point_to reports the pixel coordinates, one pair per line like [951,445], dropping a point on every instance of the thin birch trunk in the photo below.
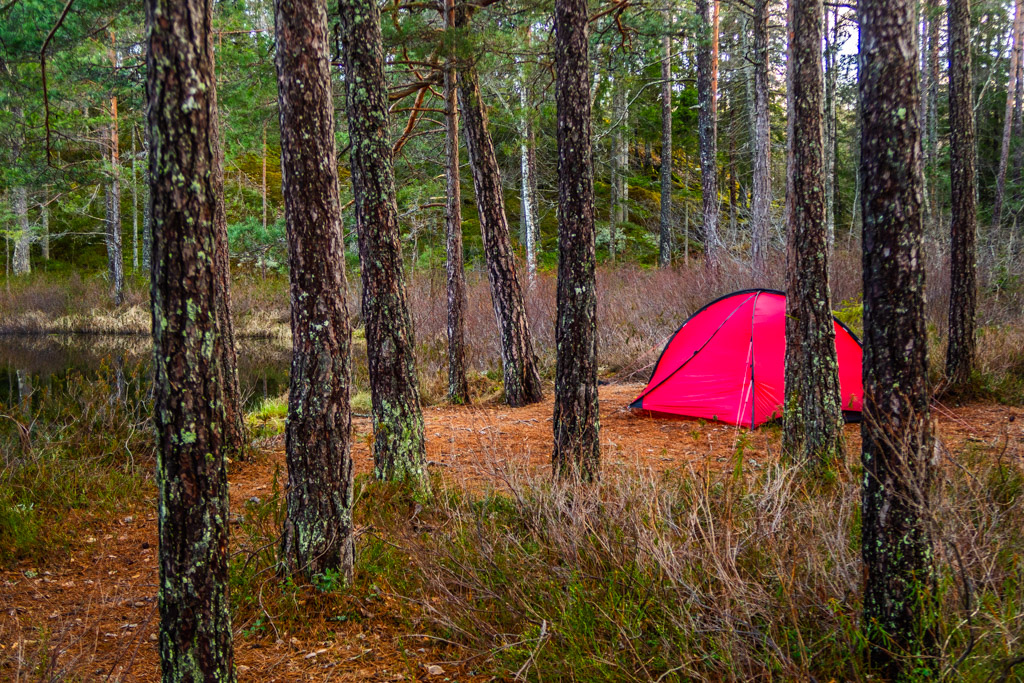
[1011,98]
[665,240]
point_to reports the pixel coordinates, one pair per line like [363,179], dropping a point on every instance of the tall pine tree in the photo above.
[813,415]
[318,527]
[899,575]
[189,399]
[576,422]
[399,451]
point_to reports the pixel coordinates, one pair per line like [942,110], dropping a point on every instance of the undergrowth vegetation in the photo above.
[71,453]
[746,574]
[737,575]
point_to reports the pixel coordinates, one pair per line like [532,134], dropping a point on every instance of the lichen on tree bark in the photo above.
[187,296]
[963,287]
[812,421]
[576,422]
[898,448]
[398,440]
[519,364]
[317,533]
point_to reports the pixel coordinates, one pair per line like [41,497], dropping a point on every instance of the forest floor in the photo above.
[91,614]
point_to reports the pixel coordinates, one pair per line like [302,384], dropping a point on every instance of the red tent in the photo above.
[727,363]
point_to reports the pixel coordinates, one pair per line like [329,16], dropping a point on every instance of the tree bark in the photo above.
[963,294]
[619,162]
[147,222]
[317,534]
[813,418]
[707,128]
[899,581]
[1011,97]
[519,364]
[229,361]
[115,259]
[458,386]
[665,240]
[263,187]
[44,220]
[732,184]
[622,163]
[576,423]
[1018,116]
[926,49]
[190,417]
[21,265]
[135,204]
[527,212]
[761,191]
[831,83]
[933,217]
[613,166]
[398,445]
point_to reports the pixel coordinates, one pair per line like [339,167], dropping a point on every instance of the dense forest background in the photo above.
[74,150]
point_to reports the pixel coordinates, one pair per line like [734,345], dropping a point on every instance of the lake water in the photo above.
[32,367]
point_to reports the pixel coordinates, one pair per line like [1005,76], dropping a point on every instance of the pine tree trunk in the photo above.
[934,217]
[761,191]
[1018,117]
[813,418]
[665,240]
[135,204]
[961,351]
[458,386]
[707,129]
[831,82]
[317,534]
[398,444]
[619,157]
[577,446]
[1011,97]
[613,166]
[229,361]
[147,222]
[732,185]
[191,422]
[115,260]
[926,161]
[622,164]
[522,380]
[263,187]
[896,433]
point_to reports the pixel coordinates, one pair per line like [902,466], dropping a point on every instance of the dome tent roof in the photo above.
[727,363]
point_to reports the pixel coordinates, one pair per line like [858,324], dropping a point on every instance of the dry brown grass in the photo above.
[694,575]
[638,309]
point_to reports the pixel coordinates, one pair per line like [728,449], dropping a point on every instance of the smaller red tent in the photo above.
[727,363]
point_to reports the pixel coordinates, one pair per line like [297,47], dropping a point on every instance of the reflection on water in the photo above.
[31,365]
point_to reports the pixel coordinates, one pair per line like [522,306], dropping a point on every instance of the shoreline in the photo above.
[105,332]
